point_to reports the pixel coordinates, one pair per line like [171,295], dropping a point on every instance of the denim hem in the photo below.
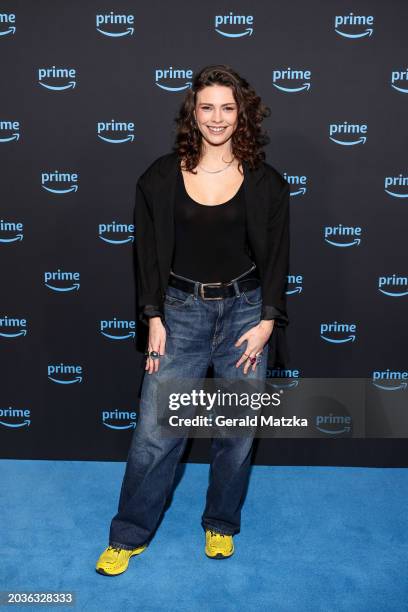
[124,546]
[216,530]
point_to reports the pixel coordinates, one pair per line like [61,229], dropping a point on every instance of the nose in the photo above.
[217,115]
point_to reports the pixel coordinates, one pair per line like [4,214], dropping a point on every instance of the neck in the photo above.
[215,157]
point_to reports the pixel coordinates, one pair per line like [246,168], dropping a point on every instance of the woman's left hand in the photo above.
[256,337]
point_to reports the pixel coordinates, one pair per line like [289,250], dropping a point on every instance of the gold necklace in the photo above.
[217,171]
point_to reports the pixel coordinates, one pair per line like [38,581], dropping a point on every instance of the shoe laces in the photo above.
[117,548]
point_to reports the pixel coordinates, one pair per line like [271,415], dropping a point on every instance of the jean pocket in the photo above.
[253,297]
[175,298]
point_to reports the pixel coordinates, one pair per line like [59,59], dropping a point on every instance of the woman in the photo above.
[212,241]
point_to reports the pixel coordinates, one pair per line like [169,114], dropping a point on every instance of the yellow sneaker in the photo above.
[218,545]
[114,560]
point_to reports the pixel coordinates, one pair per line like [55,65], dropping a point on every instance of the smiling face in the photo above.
[216,113]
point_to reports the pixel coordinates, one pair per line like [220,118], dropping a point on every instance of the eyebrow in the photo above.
[225,104]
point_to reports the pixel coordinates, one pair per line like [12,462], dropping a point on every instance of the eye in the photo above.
[227,108]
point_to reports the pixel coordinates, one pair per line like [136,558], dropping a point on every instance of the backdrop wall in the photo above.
[89,95]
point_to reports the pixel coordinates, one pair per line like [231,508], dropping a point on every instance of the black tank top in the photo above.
[210,241]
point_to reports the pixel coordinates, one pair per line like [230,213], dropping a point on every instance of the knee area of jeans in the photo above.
[144,455]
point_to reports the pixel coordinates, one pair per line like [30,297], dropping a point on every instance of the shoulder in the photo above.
[275,177]
[157,167]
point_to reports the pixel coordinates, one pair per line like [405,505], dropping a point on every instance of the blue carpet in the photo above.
[312,538]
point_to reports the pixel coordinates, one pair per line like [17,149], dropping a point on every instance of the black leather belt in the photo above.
[215,291]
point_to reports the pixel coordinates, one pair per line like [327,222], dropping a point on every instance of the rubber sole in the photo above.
[220,555]
[101,571]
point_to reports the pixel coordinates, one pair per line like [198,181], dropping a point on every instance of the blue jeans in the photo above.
[199,333]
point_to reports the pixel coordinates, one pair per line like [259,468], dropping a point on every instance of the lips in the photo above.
[216,130]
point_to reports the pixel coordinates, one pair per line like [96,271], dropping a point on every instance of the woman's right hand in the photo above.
[156,342]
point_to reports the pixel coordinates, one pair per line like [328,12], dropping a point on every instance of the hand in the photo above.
[156,342]
[256,338]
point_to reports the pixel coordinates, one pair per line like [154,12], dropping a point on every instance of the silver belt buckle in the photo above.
[209,285]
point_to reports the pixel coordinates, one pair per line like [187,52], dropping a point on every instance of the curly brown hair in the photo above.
[248,138]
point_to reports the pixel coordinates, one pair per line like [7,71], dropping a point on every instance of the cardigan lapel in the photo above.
[164,205]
